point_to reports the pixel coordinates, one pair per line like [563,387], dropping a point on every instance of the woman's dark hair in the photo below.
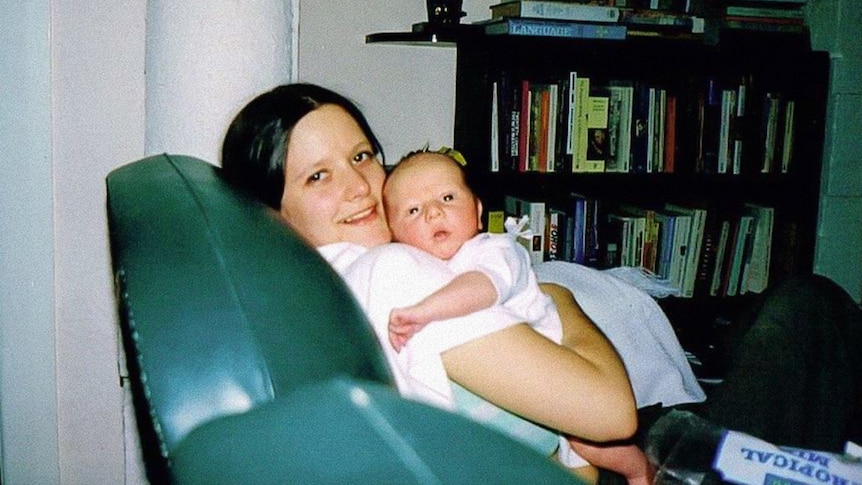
[255,146]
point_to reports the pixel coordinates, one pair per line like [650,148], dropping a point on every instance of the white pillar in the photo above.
[204,61]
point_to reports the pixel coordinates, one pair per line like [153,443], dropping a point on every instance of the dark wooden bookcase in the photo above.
[770,63]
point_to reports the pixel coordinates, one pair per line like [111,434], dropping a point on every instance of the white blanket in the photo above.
[636,326]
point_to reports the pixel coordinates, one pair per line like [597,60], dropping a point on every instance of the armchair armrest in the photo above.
[348,431]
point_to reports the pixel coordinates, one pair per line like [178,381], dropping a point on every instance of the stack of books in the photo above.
[785,16]
[557,18]
[611,19]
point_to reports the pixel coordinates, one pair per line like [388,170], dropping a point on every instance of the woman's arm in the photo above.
[580,388]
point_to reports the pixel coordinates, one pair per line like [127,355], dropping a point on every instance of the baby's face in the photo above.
[429,205]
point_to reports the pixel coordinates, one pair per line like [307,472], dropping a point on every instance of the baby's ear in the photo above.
[479,212]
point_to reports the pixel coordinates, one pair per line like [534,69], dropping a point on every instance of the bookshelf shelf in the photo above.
[424,35]
[426,39]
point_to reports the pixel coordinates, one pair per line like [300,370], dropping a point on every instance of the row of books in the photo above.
[581,125]
[698,251]
[726,127]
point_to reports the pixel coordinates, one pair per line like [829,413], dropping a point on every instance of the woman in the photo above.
[310,154]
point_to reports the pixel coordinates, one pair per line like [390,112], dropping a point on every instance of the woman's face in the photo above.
[333,182]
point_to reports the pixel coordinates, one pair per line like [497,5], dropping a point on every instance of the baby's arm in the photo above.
[469,292]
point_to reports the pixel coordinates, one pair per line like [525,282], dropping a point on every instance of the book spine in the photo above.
[556,230]
[580,231]
[694,250]
[742,236]
[647,18]
[569,11]
[508,99]
[536,212]
[524,127]
[720,251]
[670,135]
[545,127]
[496,222]
[772,105]
[710,125]
[706,261]
[665,245]
[756,274]
[582,95]
[597,130]
[495,127]
[650,130]
[536,127]
[571,120]
[682,230]
[639,133]
[765,25]
[551,28]
[787,142]
[561,108]
[725,142]
[592,243]
[785,13]
[658,135]
[614,121]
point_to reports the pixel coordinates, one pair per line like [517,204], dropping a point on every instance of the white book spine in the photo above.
[495,129]
[569,11]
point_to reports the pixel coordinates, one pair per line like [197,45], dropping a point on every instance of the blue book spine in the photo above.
[580,231]
[552,28]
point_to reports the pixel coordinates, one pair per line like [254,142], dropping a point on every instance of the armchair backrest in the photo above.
[222,306]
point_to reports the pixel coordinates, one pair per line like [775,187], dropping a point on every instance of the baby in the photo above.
[430,206]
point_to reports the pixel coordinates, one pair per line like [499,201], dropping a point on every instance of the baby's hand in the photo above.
[403,324]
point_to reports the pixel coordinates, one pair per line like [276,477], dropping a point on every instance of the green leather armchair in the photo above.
[251,363]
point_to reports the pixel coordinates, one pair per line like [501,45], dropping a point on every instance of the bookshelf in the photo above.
[766,63]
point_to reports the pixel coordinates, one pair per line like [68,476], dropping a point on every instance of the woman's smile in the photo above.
[360,217]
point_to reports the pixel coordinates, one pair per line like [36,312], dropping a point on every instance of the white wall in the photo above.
[98,124]
[72,91]
[205,60]
[28,398]
[406,92]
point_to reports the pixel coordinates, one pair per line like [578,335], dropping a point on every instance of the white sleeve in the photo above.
[638,329]
[396,275]
[505,262]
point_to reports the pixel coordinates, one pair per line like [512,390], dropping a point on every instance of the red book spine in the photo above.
[670,135]
[524,134]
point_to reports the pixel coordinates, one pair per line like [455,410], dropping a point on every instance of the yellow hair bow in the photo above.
[454,155]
